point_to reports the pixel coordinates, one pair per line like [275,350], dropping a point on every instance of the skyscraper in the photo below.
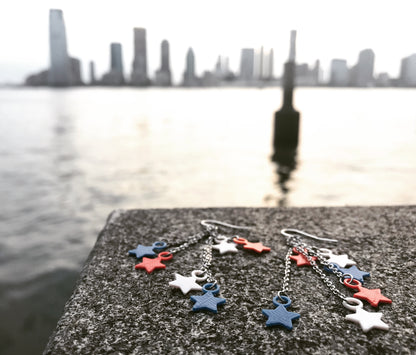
[364,75]
[116,58]
[116,75]
[75,71]
[93,80]
[189,77]
[247,64]
[139,73]
[408,71]
[339,73]
[60,66]
[163,75]
[271,65]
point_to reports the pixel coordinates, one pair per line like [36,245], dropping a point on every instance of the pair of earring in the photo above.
[323,259]
[208,301]
[320,259]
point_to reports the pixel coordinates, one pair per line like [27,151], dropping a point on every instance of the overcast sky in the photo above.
[326,29]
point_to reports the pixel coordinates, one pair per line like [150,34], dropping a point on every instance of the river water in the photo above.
[71,156]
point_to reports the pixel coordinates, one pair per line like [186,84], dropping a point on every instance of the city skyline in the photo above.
[324,33]
[256,67]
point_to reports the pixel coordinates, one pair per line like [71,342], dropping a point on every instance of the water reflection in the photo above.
[285,159]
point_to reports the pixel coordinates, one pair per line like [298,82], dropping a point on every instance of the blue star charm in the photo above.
[356,273]
[208,302]
[279,315]
[143,250]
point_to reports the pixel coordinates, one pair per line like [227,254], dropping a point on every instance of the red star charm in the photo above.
[152,264]
[301,259]
[372,296]
[257,247]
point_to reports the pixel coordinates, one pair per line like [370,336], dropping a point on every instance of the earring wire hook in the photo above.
[288,232]
[210,222]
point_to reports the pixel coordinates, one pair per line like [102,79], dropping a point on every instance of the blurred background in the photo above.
[167,104]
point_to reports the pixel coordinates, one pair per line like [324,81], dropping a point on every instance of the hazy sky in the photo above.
[326,29]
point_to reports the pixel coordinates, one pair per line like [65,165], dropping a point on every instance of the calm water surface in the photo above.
[69,157]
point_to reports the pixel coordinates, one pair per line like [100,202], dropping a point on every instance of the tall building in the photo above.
[75,73]
[60,65]
[139,74]
[163,75]
[408,71]
[260,64]
[339,75]
[364,71]
[292,50]
[189,76]
[93,80]
[270,73]
[247,64]
[316,73]
[116,57]
[115,76]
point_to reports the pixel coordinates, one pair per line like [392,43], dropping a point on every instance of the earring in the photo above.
[351,277]
[208,301]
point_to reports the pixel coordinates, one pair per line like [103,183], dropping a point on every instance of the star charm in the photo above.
[280,316]
[224,247]
[301,259]
[356,273]
[257,247]
[142,251]
[373,296]
[186,284]
[367,320]
[150,264]
[207,302]
[341,260]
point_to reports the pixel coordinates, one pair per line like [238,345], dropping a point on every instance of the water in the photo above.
[70,157]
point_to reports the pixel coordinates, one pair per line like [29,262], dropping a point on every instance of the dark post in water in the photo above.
[286,120]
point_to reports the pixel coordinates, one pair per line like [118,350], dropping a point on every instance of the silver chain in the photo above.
[192,240]
[286,278]
[207,260]
[309,252]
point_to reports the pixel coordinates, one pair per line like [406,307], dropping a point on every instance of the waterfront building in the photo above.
[38,79]
[139,73]
[363,73]
[93,80]
[316,73]
[189,76]
[339,75]
[270,73]
[408,71]
[383,80]
[75,71]
[60,65]
[260,62]
[267,65]
[115,76]
[163,76]
[247,64]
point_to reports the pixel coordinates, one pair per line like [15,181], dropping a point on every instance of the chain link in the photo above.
[303,249]
[190,241]
[286,278]
[207,260]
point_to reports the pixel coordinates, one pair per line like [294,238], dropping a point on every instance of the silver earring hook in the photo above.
[288,232]
[210,222]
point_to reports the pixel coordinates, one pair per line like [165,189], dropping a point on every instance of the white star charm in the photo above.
[341,260]
[225,247]
[187,284]
[366,320]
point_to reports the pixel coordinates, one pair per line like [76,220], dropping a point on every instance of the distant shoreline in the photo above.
[173,87]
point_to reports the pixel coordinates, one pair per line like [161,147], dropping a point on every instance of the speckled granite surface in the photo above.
[116,309]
